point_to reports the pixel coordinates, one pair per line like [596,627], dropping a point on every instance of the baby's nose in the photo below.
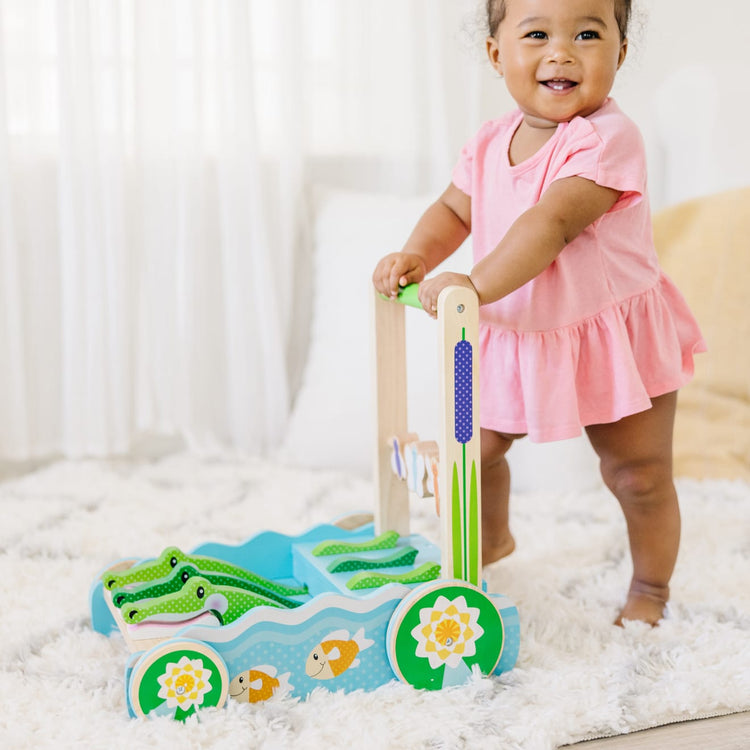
[560,53]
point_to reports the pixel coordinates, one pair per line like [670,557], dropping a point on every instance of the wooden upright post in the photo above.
[389,397]
[460,455]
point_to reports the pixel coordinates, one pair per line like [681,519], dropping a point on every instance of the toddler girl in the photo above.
[579,327]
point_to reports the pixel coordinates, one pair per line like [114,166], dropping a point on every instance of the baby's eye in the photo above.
[586,35]
[536,35]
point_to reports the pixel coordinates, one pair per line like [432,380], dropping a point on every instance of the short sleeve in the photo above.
[609,151]
[463,172]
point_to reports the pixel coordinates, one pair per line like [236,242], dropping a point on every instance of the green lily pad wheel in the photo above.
[440,631]
[177,678]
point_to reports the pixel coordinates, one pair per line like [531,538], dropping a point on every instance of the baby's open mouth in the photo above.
[559,84]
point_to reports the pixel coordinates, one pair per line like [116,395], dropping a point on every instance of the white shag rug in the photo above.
[577,677]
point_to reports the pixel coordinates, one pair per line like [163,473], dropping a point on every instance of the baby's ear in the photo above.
[493,52]
[623,52]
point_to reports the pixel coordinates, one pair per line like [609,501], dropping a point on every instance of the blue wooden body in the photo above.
[284,639]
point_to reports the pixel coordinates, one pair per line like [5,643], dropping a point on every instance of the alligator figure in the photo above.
[171,557]
[198,595]
[121,597]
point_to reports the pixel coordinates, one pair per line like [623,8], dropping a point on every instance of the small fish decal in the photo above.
[258,684]
[336,653]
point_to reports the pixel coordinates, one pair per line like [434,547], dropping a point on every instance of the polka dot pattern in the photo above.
[462,369]
[428,571]
[402,558]
[182,574]
[387,540]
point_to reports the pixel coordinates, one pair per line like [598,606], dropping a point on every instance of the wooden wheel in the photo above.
[440,631]
[176,678]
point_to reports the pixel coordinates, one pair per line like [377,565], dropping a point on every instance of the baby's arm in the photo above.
[538,236]
[534,240]
[439,232]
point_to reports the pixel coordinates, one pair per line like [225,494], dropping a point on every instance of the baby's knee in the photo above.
[638,482]
[494,446]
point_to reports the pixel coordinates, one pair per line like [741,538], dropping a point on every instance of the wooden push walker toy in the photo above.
[346,608]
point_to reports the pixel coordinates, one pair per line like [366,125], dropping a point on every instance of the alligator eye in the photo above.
[110,583]
[185,575]
[119,599]
[173,561]
[200,592]
[132,613]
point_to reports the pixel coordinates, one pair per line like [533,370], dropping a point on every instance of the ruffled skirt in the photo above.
[550,384]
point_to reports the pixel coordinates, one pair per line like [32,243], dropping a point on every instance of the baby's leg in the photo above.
[497,540]
[636,464]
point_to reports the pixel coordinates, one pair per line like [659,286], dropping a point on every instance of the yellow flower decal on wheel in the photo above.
[447,632]
[184,684]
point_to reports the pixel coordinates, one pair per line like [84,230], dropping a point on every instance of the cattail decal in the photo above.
[464,485]
[462,363]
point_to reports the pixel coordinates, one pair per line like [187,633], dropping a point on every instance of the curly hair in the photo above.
[496,14]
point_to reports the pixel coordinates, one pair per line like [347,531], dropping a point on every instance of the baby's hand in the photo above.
[429,290]
[398,270]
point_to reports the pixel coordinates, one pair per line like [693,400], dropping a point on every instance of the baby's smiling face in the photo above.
[559,60]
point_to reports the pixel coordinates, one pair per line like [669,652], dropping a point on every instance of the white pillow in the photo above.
[332,424]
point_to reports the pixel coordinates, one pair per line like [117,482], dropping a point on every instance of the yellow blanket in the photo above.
[704,245]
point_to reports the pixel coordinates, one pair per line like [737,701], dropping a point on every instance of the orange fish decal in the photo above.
[336,653]
[258,684]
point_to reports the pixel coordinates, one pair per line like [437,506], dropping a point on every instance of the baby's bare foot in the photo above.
[645,603]
[500,547]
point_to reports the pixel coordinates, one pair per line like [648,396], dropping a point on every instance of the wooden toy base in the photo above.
[339,638]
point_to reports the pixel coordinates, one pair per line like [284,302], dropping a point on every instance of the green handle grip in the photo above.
[407,295]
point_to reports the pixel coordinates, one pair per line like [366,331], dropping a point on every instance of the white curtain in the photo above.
[154,161]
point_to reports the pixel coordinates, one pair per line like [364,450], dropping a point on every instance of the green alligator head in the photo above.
[149,570]
[197,596]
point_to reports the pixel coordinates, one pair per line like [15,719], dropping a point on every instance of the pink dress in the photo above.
[602,330]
